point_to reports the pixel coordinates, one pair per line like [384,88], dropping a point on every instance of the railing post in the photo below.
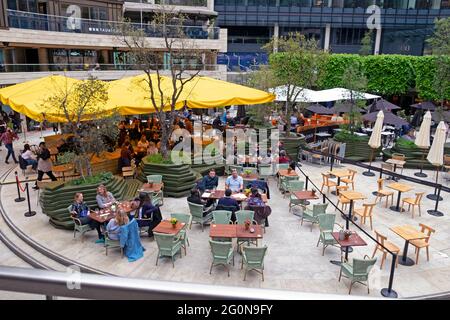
[388,292]
[307,180]
[29,213]
[436,212]
[19,197]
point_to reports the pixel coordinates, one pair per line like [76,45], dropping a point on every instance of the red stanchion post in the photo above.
[19,198]
[29,213]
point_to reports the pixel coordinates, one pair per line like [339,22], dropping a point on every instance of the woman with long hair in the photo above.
[113,226]
[147,215]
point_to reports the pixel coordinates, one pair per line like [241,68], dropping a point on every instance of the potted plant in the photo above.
[174,222]
[247,192]
[313,191]
[247,224]
[247,172]
[289,170]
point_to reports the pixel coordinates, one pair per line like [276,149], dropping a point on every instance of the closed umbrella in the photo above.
[436,154]
[423,139]
[375,139]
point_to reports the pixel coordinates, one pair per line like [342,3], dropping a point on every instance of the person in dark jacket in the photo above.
[209,182]
[195,198]
[80,211]
[147,210]
[228,203]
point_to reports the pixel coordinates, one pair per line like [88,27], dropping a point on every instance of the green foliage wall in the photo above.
[386,74]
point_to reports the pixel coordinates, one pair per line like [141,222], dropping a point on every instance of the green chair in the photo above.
[253,259]
[295,185]
[156,197]
[265,171]
[222,253]
[111,244]
[285,182]
[169,245]
[312,215]
[197,214]
[230,168]
[281,166]
[186,219]
[221,216]
[77,226]
[326,226]
[241,217]
[358,271]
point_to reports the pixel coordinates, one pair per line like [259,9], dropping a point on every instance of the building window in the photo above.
[348,36]
[23,5]
[90,13]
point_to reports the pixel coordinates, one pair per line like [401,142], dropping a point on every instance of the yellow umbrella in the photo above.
[131,95]
[205,92]
[28,97]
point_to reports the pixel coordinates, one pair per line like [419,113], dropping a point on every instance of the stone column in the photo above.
[210,4]
[43,59]
[7,57]
[105,55]
[276,35]
[326,43]
[377,42]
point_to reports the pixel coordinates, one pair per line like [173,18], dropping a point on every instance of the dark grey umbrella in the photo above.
[344,107]
[320,109]
[389,118]
[384,105]
[426,105]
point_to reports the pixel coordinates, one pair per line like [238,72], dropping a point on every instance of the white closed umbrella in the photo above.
[423,139]
[375,139]
[436,154]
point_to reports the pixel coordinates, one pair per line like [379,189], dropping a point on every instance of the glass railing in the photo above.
[36,21]
[190,3]
[101,67]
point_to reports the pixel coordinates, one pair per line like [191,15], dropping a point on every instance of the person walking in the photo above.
[44,164]
[8,137]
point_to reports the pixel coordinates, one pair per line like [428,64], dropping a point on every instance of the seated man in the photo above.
[195,198]
[209,182]
[234,182]
[228,203]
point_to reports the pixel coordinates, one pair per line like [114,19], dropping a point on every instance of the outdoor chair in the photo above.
[423,243]
[157,197]
[265,171]
[186,219]
[384,193]
[155,178]
[386,244]
[221,216]
[111,244]
[326,226]
[280,166]
[343,201]
[229,168]
[241,217]
[197,214]
[399,156]
[312,215]
[389,167]
[357,271]
[168,246]
[326,182]
[253,259]
[295,185]
[365,212]
[77,226]
[350,179]
[222,253]
[414,202]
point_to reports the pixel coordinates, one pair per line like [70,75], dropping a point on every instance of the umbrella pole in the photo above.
[435,196]
[421,174]
[369,173]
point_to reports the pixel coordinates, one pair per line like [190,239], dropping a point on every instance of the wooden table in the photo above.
[305,195]
[166,227]
[396,163]
[235,231]
[339,174]
[218,194]
[352,196]
[62,168]
[400,187]
[250,177]
[54,153]
[156,187]
[102,215]
[285,173]
[408,233]
[353,241]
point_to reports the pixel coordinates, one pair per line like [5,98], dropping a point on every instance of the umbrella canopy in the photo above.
[436,117]
[426,105]
[320,109]
[303,94]
[423,136]
[382,104]
[436,154]
[375,137]
[28,97]
[345,107]
[389,118]
[337,94]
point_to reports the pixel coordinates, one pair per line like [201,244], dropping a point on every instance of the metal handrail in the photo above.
[89,286]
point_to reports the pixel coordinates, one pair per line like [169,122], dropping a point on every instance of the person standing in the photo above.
[8,137]
[44,164]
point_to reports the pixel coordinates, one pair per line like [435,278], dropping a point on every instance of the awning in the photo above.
[336,94]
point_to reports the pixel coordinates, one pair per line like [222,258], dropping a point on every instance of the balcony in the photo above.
[187,3]
[35,21]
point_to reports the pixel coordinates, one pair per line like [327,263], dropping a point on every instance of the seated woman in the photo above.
[283,157]
[80,210]
[113,226]
[29,157]
[126,155]
[142,149]
[256,204]
[104,198]
[152,149]
[147,210]
[195,198]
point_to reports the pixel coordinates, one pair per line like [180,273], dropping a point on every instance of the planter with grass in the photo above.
[357,148]
[292,143]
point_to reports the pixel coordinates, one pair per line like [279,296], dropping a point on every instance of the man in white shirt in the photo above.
[234,182]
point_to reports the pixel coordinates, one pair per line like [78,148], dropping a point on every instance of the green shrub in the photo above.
[65,158]
[158,159]
[403,143]
[99,178]
[346,136]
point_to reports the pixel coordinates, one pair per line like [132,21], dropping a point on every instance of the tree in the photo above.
[297,65]
[440,46]
[366,44]
[177,49]
[82,106]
